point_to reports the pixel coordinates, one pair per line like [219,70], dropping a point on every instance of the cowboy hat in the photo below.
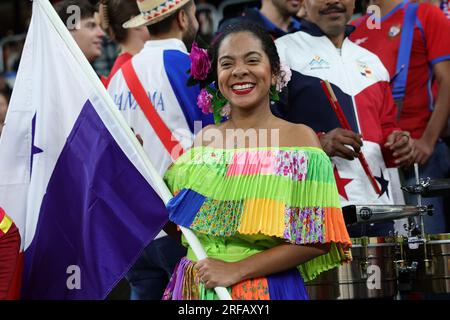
[153,11]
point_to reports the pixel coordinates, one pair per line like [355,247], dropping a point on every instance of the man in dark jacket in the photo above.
[275,16]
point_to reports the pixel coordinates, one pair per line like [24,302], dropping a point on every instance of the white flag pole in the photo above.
[156,180]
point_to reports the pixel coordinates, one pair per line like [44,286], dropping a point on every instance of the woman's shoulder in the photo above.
[298,135]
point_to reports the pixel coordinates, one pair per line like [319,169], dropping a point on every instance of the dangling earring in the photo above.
[218,101]
[273,94]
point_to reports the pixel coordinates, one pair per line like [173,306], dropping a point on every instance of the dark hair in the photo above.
[257,31]
[166,24]
[87,10]
[117,13]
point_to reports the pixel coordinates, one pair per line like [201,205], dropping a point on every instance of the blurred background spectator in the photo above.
[5,95]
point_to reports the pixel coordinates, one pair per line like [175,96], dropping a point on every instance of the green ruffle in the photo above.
[311,269]
[198,171]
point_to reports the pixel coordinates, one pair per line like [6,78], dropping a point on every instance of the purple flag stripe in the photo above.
[98,214]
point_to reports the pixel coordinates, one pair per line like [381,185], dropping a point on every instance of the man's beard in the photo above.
[189,37]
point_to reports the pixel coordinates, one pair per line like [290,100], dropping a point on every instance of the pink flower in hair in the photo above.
[204,101]
[201,64]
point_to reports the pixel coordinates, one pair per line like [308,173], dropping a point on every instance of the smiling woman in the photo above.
[268,215]
[244,71]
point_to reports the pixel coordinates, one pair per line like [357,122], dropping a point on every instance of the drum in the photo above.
[432,271]
[371,274]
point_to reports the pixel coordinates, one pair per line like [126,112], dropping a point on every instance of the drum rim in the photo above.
[376,241]
[438,238]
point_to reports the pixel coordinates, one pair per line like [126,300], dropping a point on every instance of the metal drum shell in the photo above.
[349,281]
[434,276]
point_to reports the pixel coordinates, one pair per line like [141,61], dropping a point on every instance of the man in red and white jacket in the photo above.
[412,41]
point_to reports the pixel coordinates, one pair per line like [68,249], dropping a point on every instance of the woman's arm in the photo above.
[214,273]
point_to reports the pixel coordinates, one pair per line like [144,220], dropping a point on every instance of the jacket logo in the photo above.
[364,69]
[394,31]
[361,41]
[319,63]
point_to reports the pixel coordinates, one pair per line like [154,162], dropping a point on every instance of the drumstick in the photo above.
[344,124]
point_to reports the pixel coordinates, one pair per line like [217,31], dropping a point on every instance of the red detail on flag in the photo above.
[163,132]
[341,183]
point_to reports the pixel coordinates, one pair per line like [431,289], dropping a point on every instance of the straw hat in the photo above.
[153,11]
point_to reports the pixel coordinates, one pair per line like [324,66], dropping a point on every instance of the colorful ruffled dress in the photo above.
[240,202]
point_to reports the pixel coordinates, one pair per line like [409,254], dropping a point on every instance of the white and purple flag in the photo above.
[72,176]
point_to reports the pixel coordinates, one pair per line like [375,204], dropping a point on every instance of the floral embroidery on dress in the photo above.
[304,225]
[219,218]
[252,289]
[292,164]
